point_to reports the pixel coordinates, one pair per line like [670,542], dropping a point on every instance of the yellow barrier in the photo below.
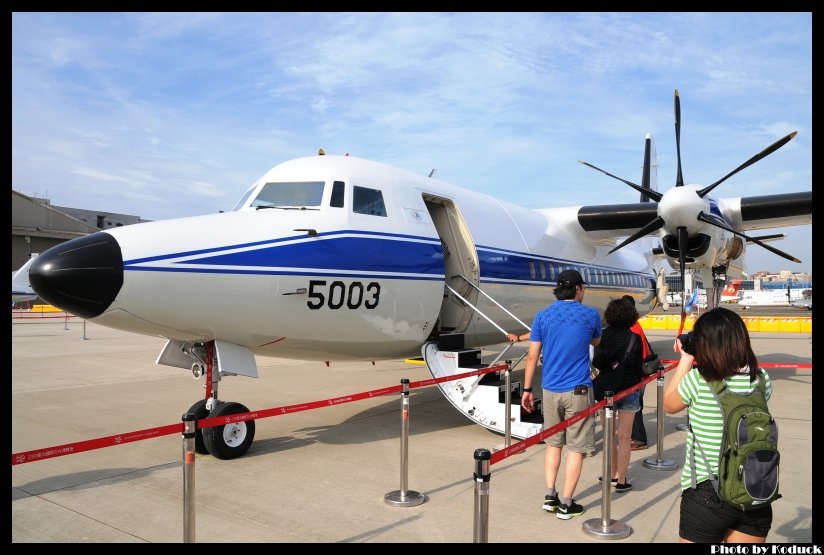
[44,308]
[769,323]
[674,321]
[753,323]
[654,322]
[789,324]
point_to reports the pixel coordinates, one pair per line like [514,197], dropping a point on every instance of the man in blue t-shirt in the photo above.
[562,334]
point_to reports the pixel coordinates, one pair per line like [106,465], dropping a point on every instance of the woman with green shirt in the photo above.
[720,350]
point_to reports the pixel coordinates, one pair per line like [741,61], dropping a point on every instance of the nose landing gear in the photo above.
[227,441]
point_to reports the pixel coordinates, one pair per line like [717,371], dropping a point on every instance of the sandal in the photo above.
[637,445]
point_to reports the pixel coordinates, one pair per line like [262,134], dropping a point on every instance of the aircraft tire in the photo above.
[200,411]
[229,441]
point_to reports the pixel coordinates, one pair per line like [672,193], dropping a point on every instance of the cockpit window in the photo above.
[338,189]
[368,201]
[301,194]
[243,199]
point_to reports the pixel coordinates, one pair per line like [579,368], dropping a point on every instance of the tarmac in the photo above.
[320,476]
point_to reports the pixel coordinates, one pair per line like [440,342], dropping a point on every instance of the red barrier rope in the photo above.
[669,364]
[42,316]
[507,452]
[778,365]
[88,445]
[150,433]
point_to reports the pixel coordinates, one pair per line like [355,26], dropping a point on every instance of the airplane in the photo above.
[334,258]
[805,301]
[728,295]
[21,289]
[731,292]
[773,297]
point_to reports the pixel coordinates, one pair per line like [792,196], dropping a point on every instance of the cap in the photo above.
[570,277]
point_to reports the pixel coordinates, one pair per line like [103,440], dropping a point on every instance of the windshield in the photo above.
[301,194]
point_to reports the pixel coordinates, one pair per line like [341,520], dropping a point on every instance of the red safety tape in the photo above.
[278,411]
[61,316]
[763,364]
[88,445]
[669,365]
[120,439]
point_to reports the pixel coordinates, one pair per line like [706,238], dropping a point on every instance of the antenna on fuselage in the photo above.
[432,173]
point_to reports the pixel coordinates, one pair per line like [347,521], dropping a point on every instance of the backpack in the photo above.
[749,458]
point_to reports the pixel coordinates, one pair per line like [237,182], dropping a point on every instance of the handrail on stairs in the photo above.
[477,380]
[485,294]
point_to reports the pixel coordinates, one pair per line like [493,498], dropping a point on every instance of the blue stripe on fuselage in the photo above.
[359,254]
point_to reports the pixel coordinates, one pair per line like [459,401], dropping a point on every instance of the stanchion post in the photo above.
[66,321]
[605,528]
[189,430]
[84,338]
[659,462]
[482,476]
[508,405]
[403,497]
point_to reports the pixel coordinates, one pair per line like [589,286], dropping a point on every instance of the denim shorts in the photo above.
[630,403]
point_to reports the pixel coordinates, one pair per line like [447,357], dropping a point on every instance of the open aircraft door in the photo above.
[460,264]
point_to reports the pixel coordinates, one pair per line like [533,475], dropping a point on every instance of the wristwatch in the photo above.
[527,390]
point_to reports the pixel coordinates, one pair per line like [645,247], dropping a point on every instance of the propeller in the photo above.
[678,208]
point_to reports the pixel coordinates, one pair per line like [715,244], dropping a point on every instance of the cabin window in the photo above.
[543,270]
[531,269]
[368,201]
[336,200]
[299,194]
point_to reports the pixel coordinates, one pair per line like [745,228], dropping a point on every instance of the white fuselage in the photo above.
[340,278]
[771,297]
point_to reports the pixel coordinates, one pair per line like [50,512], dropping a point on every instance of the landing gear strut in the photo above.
[228,441]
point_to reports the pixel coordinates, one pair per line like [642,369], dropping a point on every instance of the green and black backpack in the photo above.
[749,458]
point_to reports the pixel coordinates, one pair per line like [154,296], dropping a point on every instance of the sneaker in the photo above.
[551,503]
[613,481]
[621,488]
[565,512]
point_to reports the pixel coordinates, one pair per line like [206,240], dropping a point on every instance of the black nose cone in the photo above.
[81,276]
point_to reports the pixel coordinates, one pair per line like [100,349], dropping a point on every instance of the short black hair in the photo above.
[620,314]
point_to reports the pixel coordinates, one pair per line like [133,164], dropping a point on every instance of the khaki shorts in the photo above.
[557,407]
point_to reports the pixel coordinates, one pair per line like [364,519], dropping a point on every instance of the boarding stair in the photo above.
[481,398]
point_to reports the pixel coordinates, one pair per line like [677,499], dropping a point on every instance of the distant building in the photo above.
[757,282]
[36,225]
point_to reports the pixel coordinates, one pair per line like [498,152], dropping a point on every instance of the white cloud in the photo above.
[203,104]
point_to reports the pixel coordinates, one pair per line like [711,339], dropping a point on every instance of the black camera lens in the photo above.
[687,343]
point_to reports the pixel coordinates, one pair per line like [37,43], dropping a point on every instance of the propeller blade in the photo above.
[655,195]
[645,175]
[682,260]
[680,180]
[654,225]
[763,154]
[717,222]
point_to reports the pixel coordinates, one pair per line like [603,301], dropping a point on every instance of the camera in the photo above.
[687,343]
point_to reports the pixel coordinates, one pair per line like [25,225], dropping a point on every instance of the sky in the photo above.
[166,115]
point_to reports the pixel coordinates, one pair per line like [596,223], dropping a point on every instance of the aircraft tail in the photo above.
[21,289]
[730,293]
[649,172]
